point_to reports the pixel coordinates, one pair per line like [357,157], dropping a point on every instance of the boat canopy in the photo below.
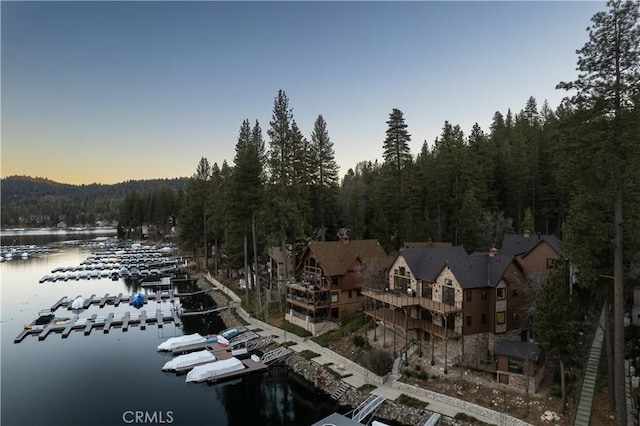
[186,360]
[176,342]
[213,369]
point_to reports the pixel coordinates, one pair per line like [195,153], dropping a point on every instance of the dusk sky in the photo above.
[111,91]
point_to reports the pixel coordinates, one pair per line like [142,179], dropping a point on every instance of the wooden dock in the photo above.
[105,323]
[251,367]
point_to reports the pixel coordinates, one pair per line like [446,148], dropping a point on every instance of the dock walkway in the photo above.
[105,323]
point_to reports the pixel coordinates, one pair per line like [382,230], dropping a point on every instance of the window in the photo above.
[334,297]
[550,263]
[484,319]
[484,294]
[448,296]
[515,366]
[469,295]
[468,320]
[500,318]
[502,293]
[334,281]
[349,294]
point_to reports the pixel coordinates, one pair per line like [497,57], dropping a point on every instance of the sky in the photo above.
[105,92]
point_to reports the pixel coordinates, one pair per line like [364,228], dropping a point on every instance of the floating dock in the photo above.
[167,295]
[105,323]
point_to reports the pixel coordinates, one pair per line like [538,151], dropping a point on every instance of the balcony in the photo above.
[306,303]
[391,297]
[306,287]
[400,321]
[401,300]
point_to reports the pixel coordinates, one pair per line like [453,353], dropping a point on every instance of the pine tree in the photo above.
[324,171]
[396,145]
[607,86]
[397,155]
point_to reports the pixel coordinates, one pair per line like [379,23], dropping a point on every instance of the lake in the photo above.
[116,378]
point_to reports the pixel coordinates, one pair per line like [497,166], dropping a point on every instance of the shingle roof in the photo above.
[517,349]
[477,270]
[426,263]
[487,270]
[336,257]
[516,244]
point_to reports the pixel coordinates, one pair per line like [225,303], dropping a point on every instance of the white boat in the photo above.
[77,303]
[201,373]
[194,358]
[176,342]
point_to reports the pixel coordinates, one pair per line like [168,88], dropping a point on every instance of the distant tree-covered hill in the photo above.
[29,201]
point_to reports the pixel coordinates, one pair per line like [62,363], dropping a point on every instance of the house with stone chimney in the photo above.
[457,304]
[330,277]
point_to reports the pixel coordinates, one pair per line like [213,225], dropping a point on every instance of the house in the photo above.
[277,259]
[331,275]
[464,302]
[519,364]
[537,254]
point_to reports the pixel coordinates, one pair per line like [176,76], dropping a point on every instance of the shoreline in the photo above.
[318,376]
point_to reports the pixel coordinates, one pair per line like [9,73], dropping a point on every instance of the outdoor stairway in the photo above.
[258,343]
[275,355]
[370,406]
[337,394]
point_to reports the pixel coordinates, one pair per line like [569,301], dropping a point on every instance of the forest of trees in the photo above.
[572,170]
[39,202]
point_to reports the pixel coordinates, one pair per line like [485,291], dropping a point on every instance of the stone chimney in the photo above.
[526,233]
[493,251]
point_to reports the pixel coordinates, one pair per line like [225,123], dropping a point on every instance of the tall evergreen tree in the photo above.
[247,187]
[193,213]
[324,171]
[281,211]
[396,145]
[397,155]
[608,85]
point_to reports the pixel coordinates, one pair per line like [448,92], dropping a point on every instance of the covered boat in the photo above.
[138,301]
[194,358]
[77,303]
[176,342]
[228,334]
[213,369]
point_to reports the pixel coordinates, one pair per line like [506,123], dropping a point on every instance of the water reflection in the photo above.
[94,379]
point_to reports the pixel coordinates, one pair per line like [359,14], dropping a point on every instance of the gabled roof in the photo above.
[336,257]
[475,271]
[487,270]
[426,263]
[516,244]
[517,349]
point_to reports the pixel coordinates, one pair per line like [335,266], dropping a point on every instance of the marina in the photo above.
[42,365]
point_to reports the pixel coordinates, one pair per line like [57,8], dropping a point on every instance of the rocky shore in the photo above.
[327,382]
[322,379]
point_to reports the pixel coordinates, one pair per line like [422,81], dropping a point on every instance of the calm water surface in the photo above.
[103,379]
